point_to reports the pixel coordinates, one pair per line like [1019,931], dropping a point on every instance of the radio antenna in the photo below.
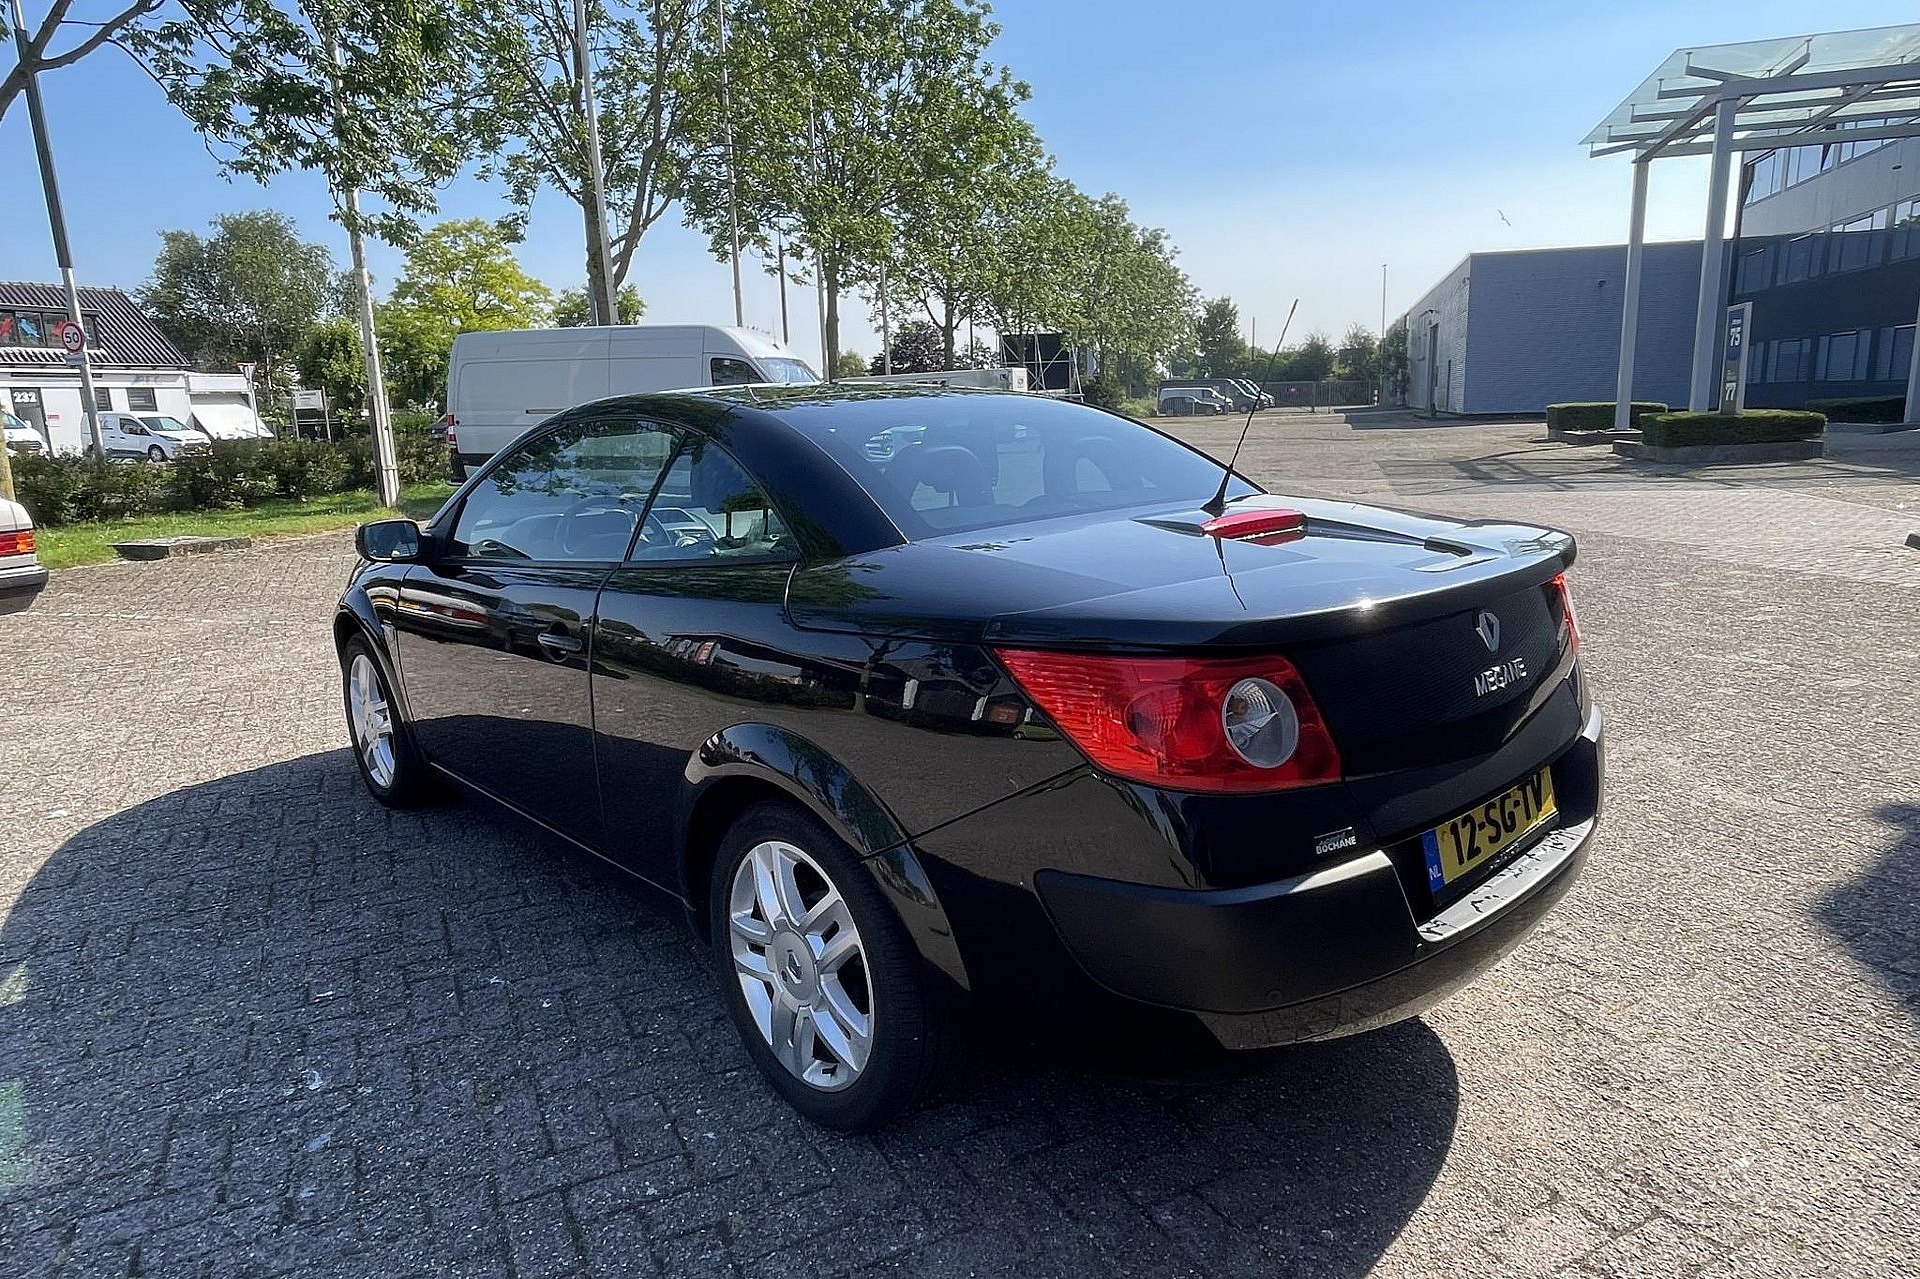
[1219,502]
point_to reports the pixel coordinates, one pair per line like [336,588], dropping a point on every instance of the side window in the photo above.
[727,371]
[574,494]
[709,509]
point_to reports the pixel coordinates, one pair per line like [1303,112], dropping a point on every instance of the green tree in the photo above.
[1116,288]
[1222,351]
[459,277]
[1393,363]
[917,347]
[1358,357]
[1310,361]
[378,98]
[572,310]
[247,292]
[463,275]
[857,105]
[127,26]
[848,365]
[657,96]
[329,358]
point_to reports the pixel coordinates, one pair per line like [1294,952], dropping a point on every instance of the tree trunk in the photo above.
[601,306]
[947,329]
[830,276]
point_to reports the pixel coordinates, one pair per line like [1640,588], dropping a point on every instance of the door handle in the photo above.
[559,644]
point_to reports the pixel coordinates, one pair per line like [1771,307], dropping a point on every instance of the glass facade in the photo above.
[1834,297]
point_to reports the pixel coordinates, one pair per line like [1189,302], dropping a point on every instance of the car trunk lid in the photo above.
[1380,610]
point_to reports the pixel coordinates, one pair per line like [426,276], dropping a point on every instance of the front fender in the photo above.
[805,771]
[359,612]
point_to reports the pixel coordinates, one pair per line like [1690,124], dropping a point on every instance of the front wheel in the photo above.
[155,453]
[391,768]
[825,987]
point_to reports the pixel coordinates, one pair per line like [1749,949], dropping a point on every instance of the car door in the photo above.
[690,635]
[493,629]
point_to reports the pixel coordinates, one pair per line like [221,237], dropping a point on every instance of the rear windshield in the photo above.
[950,463]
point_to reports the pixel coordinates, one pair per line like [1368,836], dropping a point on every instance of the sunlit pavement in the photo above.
[252,1024]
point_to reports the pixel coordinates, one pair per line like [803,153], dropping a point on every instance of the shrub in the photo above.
[1756,426]
[1863,408]
[1102,394]
[1596,415]
[227,476]
[67,490]
[303,468]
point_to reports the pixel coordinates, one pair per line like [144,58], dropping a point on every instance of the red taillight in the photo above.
[1558,586]
[20,543]
[1161,720]
[1265,527]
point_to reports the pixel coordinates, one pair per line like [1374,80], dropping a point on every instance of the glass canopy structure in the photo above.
[1853,86]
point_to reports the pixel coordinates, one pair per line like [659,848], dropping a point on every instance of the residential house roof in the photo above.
[123,337]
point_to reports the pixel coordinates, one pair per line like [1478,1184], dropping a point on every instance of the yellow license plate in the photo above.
[1461,845]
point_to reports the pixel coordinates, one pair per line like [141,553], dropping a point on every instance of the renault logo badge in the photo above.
[1487,627]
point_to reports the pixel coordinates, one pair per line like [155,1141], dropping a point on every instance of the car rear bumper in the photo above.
[1332,952]
[19,586]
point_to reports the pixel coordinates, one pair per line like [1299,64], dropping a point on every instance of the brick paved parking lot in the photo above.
[252,1024]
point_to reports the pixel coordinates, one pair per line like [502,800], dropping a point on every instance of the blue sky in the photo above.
[1289,149]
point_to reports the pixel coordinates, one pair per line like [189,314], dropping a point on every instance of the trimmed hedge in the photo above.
[1596,415]
[1863,408]
[230,475]
[1755,426]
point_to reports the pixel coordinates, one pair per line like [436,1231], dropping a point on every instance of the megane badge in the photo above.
[1488,628]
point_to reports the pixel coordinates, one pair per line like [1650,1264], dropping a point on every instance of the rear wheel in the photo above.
[825,987]
[391,768]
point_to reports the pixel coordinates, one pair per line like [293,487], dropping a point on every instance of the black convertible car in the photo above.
[927,703]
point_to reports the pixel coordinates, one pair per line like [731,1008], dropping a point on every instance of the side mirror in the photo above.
[389,541]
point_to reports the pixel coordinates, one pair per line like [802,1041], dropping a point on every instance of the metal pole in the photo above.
[57,221]
[596,177]
[733,202]
[1707,319]
[786,338]
[1630,296]
[886,343]
[386,467]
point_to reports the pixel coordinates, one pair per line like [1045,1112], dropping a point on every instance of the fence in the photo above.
[1319,395]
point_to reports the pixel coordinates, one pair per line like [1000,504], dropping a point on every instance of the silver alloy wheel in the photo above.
[801,964]
[372,719]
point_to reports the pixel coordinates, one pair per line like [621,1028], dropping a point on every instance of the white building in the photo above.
[135,369]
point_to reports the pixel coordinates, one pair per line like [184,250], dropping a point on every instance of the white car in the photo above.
[153,436]
[21,577]
[20,437]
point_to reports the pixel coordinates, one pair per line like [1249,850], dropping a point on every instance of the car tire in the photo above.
[393,770]
[912,1046]
[155,453]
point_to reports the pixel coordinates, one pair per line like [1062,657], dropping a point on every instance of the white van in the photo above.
[501,383]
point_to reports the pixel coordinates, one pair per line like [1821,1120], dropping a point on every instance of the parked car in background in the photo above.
[501,383]
[1261,400]
[151,436]
[924,700]
[21,576]
[1183,401]
[20,437]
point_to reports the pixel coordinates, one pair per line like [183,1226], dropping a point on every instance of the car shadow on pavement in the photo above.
[1873,913]
[263,1025]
